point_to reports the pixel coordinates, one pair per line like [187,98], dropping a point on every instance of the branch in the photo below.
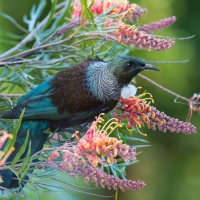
[10,95]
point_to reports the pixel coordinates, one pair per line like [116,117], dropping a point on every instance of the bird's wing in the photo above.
[36,107]
[41,107]
[37,103]
[44,88]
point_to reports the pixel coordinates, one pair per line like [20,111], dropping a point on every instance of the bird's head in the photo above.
[124,68]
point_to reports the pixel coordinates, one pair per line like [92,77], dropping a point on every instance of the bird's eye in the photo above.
[129,64]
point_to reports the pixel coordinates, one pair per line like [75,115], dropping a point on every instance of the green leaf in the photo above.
[21,151]
[25,195]
[26,160]
[53,8]
[141,146]
[34,15]
[133,139]
[23,174]
[5,108]
[127,163]
[85,11]
[62,16]
[90,6]
[90,16]
[23,66]
[113,171]
[11,35]
[3,88]
[13,21]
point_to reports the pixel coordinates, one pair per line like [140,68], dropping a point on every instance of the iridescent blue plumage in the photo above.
[71,97]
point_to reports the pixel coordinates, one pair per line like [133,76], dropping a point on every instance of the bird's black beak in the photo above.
[151,67]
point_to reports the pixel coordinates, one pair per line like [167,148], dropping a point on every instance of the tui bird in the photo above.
[71,97]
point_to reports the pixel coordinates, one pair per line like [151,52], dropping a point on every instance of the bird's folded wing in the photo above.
[41,107]
[37,104]
[37,107]
[44,88]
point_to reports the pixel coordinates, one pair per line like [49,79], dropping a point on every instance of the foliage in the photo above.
[70,33]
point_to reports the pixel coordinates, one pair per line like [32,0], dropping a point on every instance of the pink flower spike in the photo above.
[4,137]
[133,37]
[137,112]
[157,25]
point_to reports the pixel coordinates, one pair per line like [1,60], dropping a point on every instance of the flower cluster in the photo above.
[96,149]
[138,112]
[74,165]
[4,156]
[127,34]
[97,143]
[132,11]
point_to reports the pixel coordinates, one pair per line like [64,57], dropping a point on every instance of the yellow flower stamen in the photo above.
[144,134]
[117,125]
[109,122]
[2,162]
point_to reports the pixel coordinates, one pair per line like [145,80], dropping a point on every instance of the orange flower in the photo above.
[97,143]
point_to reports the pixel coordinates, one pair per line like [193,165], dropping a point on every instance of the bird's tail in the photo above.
[36,136]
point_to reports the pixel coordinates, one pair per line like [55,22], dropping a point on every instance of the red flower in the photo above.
[138,113]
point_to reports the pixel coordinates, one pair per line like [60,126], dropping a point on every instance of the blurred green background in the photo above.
[171,166]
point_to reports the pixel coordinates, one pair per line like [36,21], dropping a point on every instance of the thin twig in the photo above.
[10,95]
[67,183]
[69,189]
[168,62]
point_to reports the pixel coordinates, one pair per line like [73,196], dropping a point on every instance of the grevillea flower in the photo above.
[132,11]
[127,34]
[4,156]
[74,165]
[150,28]
[97,144]
[94,149]
[138,112]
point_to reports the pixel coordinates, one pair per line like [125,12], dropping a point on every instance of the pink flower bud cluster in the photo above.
[138,113]
[150,28]
[129,35]
[75,165]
